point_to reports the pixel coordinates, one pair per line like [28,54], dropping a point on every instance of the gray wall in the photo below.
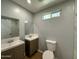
[8,9]
[59,29]
[75,30]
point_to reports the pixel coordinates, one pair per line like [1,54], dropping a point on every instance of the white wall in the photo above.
[8,8]
[59,29]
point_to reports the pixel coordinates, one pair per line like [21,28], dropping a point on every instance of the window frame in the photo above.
[58,11]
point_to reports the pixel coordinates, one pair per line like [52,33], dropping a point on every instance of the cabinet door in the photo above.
[33,46]
[19,52]
[7,54]
[27,48]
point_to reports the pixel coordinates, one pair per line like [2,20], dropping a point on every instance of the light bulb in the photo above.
[29,1]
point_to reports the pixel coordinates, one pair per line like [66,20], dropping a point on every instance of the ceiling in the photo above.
[37,5]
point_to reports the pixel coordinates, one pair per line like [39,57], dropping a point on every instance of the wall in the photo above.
[75,30]
[59,29]
[11,9]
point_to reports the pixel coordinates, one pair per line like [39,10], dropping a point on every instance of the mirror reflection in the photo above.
[9,27]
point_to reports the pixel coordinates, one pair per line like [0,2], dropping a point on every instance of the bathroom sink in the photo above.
[10,41]
[31,37]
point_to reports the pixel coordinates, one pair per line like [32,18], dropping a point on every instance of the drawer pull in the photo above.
[7,56]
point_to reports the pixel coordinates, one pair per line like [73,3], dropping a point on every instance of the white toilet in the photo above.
[49,54]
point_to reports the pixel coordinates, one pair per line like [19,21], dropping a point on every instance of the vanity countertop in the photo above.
[31,37]
[5,45]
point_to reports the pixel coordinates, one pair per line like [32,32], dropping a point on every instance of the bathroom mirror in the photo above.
[9,27]
[26,27]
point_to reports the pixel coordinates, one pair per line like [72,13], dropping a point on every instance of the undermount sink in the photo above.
[10,41]
[31,37]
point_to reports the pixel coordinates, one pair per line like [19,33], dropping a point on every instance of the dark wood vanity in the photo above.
[31,46]
[14,53]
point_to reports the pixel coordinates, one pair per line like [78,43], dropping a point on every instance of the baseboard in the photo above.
[40,51]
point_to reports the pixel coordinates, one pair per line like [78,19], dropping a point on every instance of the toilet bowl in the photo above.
[49,54]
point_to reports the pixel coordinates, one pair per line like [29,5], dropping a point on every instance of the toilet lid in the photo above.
[48,55]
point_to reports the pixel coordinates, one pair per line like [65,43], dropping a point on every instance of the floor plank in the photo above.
[37,55]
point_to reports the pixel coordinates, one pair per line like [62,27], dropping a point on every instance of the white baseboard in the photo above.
[40,51]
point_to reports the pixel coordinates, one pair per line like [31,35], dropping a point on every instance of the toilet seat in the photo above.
[48,55]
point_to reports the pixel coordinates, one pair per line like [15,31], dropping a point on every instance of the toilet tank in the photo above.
[51,45]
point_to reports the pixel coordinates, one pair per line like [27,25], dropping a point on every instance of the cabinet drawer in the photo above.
[7,54]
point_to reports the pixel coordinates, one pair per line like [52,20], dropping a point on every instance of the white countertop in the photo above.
[31,37]
[5,45]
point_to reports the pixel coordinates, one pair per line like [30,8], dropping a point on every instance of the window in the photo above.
[56,14]
[48,16]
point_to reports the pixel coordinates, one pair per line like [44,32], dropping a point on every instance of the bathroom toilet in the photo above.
[49,54]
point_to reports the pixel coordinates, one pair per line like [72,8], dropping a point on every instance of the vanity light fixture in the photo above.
[26,21]
[29,1]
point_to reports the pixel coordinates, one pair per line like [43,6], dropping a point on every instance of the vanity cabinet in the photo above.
[31,46]
[14,53]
